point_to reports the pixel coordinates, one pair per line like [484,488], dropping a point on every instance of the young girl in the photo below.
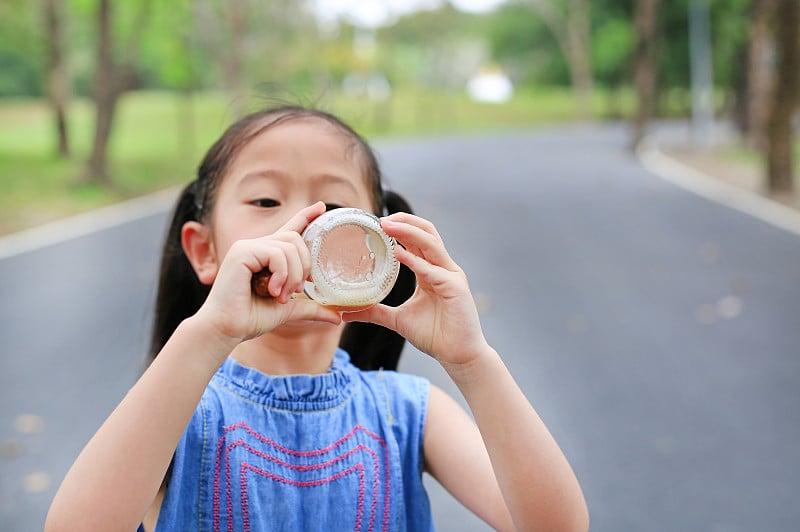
[250,417]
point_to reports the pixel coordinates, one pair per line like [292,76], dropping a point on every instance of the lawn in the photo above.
[146,154]
[159,138]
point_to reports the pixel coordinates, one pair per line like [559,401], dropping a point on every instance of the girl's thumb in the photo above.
[305,309]
[377,314]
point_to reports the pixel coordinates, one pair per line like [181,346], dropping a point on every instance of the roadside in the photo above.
[736,170]
[160,136]
[716,168]
[720,171]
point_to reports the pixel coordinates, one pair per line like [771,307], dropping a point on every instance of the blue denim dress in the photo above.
[333,452]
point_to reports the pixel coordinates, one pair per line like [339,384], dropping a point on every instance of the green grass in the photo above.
[159,138]
[150,149]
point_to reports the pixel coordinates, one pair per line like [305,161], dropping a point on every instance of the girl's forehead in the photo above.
[305,133]
[301,147]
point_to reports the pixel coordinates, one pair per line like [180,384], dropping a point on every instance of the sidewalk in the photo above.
[704,167]
[744,174]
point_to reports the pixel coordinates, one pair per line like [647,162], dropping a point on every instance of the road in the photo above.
[657,333]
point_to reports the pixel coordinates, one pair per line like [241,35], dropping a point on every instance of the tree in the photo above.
[572,30]
[784,97]
[57,71]
[645,66]
[112,79]
[758,74]
[257,48]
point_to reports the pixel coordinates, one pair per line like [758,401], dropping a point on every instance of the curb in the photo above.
[86,223]
[702,184]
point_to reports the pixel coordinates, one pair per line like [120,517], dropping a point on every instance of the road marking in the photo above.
[86,223]
[10,449]
[29,424]
[706,314]
[37,482]
[730,307]
[702,184]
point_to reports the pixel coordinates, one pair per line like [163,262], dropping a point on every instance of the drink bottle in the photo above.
[353,265]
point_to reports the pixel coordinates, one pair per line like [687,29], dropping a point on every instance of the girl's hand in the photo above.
[440,318]
[236,311]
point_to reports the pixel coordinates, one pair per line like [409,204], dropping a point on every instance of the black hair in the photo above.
[181,294]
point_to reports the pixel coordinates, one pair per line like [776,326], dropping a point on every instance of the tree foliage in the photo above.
[186,44]
[21,49]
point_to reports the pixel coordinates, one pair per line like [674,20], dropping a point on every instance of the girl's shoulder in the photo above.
[397,386]
[404,397]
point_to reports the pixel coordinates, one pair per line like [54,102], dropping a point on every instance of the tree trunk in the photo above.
[110,81]
[572,32]
[759,74]
[105,98]
[580,65]
[57,72]
[785,97]
[645,67]
[233,62]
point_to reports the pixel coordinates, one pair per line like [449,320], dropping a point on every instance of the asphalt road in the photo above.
[657,333]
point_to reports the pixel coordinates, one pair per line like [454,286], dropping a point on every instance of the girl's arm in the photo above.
[518,468]
[528,469]
[452,440]
[113,482]
[117,475]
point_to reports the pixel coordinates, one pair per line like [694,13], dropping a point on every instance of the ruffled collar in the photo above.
[291,392]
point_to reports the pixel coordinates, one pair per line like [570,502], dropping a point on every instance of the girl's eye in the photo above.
[331,206]
[265,203]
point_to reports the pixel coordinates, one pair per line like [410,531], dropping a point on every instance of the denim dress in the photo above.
[334,452]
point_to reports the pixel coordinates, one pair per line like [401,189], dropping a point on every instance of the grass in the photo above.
[149,150]
[159,138]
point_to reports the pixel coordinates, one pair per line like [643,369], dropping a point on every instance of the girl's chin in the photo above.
[303,325]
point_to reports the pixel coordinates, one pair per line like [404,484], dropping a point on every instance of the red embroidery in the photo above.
[312,467]
[223,453]
[302,484]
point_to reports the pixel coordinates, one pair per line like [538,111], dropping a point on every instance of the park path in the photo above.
[656,332]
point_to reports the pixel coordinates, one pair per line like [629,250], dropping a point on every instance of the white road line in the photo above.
[702,184]
[650,157]
[86,223]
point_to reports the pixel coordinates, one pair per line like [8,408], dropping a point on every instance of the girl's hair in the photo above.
[180,293]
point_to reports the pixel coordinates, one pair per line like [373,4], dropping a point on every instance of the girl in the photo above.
[251,417]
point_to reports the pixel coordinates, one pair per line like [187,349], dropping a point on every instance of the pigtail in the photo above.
[180,293]
[371,346]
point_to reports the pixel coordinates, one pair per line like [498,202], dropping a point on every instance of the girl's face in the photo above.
[283,169]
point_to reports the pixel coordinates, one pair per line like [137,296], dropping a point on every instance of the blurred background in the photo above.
[105,100]
[657,333]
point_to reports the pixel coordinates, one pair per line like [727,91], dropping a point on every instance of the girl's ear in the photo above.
[199,249]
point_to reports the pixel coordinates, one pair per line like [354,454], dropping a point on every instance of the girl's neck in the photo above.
[293,350]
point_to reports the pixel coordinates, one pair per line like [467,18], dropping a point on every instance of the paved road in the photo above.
[657,333]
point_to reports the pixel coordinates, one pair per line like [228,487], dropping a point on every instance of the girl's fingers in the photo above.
[300,221]
[423,269]
[277,264]
[287,259]
[413,219]
[420,237]
[296,267]
[301,249]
